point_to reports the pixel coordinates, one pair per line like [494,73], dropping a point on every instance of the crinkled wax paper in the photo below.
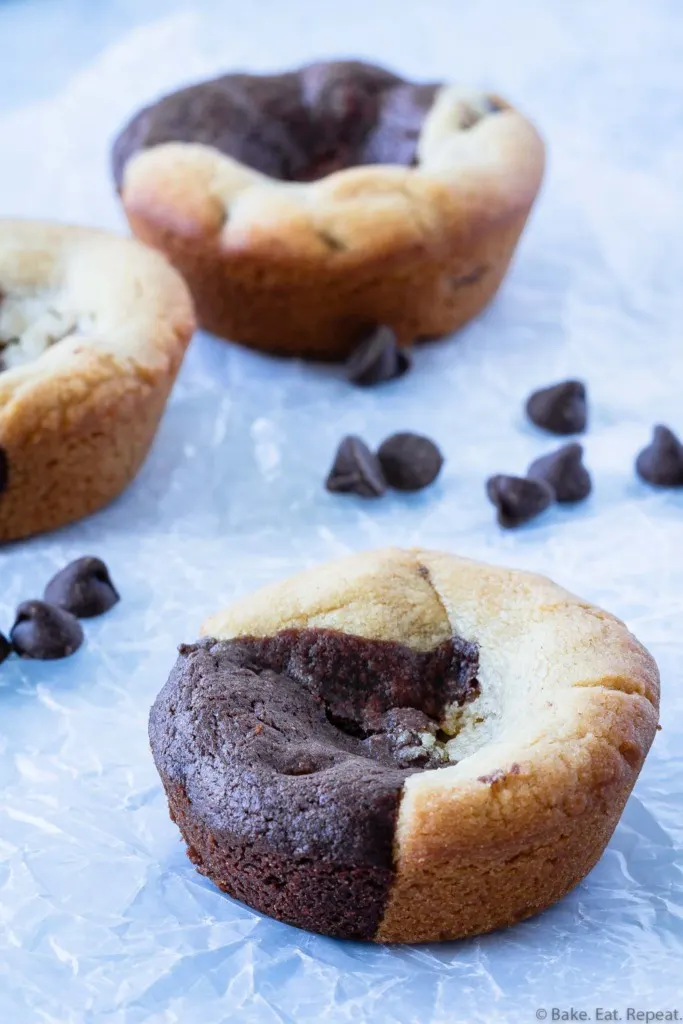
[102,917]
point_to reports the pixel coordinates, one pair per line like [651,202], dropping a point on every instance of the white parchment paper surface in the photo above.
[102,917]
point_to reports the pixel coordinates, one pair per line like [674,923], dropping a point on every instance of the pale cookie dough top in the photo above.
[69,295]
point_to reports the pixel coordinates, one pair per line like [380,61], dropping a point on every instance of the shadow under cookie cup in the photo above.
[307,268]
[534,766]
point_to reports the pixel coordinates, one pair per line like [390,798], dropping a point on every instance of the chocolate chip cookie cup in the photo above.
[404,746]
[306,208]
[93,329]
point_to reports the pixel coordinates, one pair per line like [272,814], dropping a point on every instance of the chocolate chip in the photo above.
[661,462]
[560,409]
[518,499]
[83,588]
[356,470]
[5,648]
[377,359]
[471,277]
[564,471]
[44,632]
[4,470]
[410,461]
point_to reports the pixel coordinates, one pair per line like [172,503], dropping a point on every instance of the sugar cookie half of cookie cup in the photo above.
[93,329]
[351,829]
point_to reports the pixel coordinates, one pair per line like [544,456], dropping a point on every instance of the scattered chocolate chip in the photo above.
[356,470]
[518,499]
[661,462]
[43,632]
[5,648]
[410,461]
[83,588]
[4,470]
[377,359]
[564,471]
[560,409]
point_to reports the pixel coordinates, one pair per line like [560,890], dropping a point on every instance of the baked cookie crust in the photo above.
[93,329]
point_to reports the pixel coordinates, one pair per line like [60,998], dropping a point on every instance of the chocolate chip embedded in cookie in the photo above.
[408,204]
[565,472]
[560,408]
[337,750]
[93,328]
[661,463]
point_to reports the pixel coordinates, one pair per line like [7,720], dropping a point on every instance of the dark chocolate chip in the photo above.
[661,462]
[44,632]
[5,648]
[356,470]
[4,470]
[410,461]
[564,471]
[470,277]
[561,408]
[377,359]
[518,499]
[83,588]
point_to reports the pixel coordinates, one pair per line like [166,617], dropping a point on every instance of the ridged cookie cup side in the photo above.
[77,421]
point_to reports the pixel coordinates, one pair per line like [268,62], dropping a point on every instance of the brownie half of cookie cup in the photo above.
[93,329]
[404,746]
[306,208]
